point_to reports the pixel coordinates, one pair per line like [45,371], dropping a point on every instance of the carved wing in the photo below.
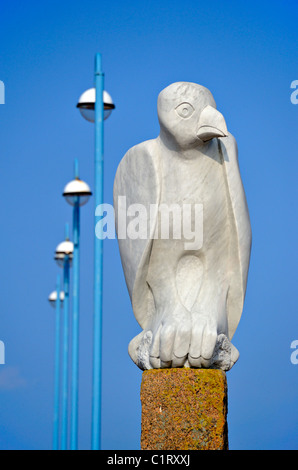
[241,238]
[136,182]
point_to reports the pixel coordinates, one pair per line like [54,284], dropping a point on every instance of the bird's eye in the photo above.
[184,110]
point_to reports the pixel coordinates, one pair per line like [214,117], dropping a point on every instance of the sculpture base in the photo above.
[184,409]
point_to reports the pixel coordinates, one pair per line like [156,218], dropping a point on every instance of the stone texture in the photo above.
[184,409]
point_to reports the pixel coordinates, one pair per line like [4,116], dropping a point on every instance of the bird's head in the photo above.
[188,116]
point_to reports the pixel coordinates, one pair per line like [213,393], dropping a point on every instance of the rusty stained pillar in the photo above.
[184,409]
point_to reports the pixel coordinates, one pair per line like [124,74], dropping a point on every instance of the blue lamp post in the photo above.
[63,256]
[56,299]
[77,193]
[96,105]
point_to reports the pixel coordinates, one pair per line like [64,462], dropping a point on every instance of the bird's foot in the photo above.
[165,344]
[208,349]
[225,354]
[183,344]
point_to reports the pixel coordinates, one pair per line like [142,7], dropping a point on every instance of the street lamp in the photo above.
[63,257]
[53,298]
[77,190]
[76,193]
[96,105]
[64,248]
[56,298]
[86,104]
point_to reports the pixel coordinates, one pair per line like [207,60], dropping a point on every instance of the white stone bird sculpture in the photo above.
[188,301]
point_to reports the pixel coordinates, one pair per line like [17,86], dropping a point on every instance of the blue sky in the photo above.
[246,54]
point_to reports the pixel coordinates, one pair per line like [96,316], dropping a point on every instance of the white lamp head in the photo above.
[86,104]
[64,248]
[77,189]
[53,297]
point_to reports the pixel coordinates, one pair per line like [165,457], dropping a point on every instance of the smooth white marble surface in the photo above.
[188,298]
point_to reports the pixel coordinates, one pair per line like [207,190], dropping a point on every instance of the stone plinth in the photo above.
[184,409]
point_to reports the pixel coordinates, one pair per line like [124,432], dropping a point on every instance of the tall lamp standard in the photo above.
[56,299]
[76,193]
[96,105]
[63,257]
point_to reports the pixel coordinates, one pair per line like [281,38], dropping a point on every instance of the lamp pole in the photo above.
[75,320]
[76,193]
[98,258]
[63,257]
[96,105]
[65,346]
[57,367]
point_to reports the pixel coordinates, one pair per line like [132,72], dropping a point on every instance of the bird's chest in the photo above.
[198,180]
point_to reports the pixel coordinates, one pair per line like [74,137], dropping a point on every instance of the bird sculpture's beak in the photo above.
[211,124]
